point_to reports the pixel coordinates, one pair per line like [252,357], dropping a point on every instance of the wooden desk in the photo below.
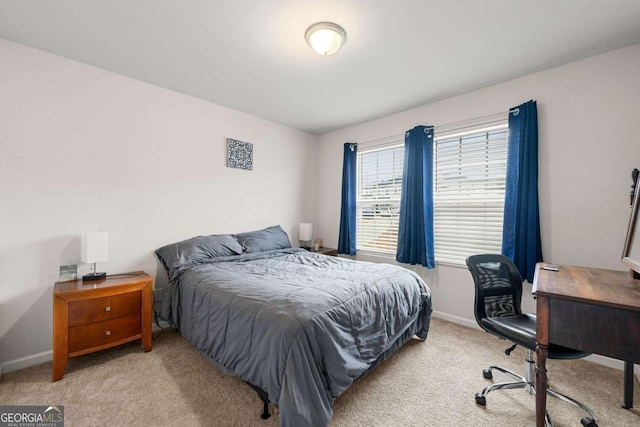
[589,309]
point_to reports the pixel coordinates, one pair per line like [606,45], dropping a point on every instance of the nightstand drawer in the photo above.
[101,309]
[101,333]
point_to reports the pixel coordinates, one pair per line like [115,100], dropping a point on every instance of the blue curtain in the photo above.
[415,231]
[347,237]
[521,229]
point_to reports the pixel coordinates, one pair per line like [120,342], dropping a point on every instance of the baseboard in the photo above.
[606,361]
[25,362]
[595,358]
[46,356]
[455,319]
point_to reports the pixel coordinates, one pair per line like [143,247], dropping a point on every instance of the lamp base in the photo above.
[92,277]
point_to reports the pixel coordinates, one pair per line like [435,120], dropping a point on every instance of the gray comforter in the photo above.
[301,326]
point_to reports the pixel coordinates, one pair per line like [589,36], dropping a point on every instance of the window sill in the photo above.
[381,257]
[370,254]
[451,264]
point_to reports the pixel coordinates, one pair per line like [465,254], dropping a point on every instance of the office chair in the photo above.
[498,298]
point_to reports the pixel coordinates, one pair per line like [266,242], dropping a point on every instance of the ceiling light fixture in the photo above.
[325,37]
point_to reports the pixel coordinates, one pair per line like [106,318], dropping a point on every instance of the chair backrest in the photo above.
[498,286]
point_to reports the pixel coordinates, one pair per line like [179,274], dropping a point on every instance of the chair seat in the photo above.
[521,329]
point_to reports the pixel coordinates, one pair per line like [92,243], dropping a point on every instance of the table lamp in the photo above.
[95,248]
[305,234]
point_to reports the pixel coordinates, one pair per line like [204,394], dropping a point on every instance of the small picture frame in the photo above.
[239,154]
[68,273]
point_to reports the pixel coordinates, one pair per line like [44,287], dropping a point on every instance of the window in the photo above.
[378,197]
[469,186]
[468,198]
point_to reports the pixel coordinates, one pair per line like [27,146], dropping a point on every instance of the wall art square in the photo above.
[239,154]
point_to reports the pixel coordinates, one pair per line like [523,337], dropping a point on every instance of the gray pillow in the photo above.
[197,249]
[270,238]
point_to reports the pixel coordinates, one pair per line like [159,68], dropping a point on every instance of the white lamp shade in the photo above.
[306,231]
[95,247]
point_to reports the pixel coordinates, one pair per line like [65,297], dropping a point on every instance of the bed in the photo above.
[299,327]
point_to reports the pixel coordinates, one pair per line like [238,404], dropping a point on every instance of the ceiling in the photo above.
[251,56]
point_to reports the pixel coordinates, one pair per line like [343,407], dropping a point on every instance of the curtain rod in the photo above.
[447,127]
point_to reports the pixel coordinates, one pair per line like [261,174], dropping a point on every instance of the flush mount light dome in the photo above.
[325,37]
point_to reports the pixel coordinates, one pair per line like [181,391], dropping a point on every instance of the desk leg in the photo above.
[628,385]
[542,345]
[541,384]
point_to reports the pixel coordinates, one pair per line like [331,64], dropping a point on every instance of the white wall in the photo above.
[85,149]
[589,142]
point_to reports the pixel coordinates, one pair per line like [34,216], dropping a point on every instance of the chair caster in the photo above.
[481,400]
[588,422]
[487,374]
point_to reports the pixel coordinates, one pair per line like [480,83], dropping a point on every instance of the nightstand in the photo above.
[326,251]
[92,316]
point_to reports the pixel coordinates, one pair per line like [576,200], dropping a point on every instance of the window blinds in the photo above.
[469,184]
[378,196]
[469,181]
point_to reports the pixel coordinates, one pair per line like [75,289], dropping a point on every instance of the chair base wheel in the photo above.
[481,400]
[487,374]
[588,422]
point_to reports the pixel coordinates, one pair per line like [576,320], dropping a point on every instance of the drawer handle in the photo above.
[107,308]
[108,333]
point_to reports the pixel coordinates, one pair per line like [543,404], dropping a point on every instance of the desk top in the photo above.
[588,285]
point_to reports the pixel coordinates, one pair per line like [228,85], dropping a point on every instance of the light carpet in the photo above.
[429,383]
